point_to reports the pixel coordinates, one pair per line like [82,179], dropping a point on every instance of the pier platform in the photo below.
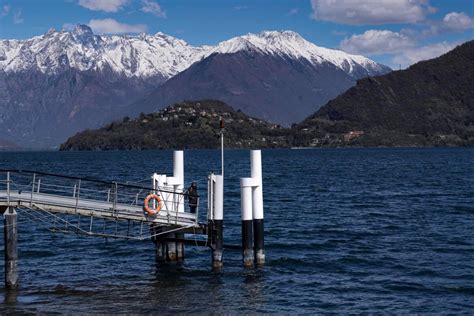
[62,202]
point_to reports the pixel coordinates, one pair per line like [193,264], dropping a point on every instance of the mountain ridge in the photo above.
[430,103]
[275,88]
[61,82]
[160,54]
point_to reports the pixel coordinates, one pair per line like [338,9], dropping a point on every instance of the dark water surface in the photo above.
[349,230]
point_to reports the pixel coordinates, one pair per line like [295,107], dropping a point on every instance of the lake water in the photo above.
[347,230]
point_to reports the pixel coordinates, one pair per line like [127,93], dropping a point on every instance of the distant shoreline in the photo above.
[232,148]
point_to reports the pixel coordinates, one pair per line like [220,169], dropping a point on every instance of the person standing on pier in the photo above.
[192,194]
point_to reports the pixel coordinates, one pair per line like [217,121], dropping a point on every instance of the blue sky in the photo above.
[394,32]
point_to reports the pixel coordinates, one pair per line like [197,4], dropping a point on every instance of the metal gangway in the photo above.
[94,207]
[112,209]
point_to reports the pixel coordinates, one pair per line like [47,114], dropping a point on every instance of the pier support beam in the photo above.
[216,223]
[246,206]
[171,253]
[160,251]
[252,213]
[257,206]
[160,244]
[178,185]
[10,229]
[166,250]
[171,250]
[179,247]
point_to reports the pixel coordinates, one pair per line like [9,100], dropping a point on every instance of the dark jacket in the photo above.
[192,196]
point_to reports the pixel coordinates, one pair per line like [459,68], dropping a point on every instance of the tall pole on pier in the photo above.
[217,222]
[222,145]
[10,229]
[257,206]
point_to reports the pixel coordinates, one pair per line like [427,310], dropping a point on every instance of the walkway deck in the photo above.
[98,209]
[61,203]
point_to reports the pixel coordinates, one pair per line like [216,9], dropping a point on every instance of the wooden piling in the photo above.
[10,229]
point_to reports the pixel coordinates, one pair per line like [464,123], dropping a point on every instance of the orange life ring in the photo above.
[146,204]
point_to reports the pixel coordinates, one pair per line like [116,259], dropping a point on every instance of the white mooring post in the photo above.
[178,178]
[216,220]
[257,206]
[246,207]
[252,213]
[172,250]
[11,248]
[178,186]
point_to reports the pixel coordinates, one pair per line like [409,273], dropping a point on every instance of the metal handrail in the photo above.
[120,194]
[122,184]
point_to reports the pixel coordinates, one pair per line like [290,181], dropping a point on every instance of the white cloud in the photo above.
[376,42]
[154,8]
[111,26]
[241,7]
[5,10]
[416,54]
[457,21]
[452,22]
[358,12]
[293,11]
[103,5]
[69,26]
[17,18]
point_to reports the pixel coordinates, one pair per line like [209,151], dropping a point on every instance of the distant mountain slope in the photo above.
[7,145]
[277,76]
[182,125]
[274,88]
[56,84]
[39,110]
[65,81]
[430,103]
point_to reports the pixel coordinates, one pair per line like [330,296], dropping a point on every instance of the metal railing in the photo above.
[112,192]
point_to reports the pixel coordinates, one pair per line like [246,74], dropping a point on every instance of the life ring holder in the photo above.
[146,204]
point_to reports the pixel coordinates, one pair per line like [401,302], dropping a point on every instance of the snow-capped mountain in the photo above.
[140,56]
[160,54]
[277,76]
[64,81]
[292,45]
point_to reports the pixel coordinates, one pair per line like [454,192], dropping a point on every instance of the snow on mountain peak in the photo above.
[141,56]
[156,55]
[293,45]
[82,29]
